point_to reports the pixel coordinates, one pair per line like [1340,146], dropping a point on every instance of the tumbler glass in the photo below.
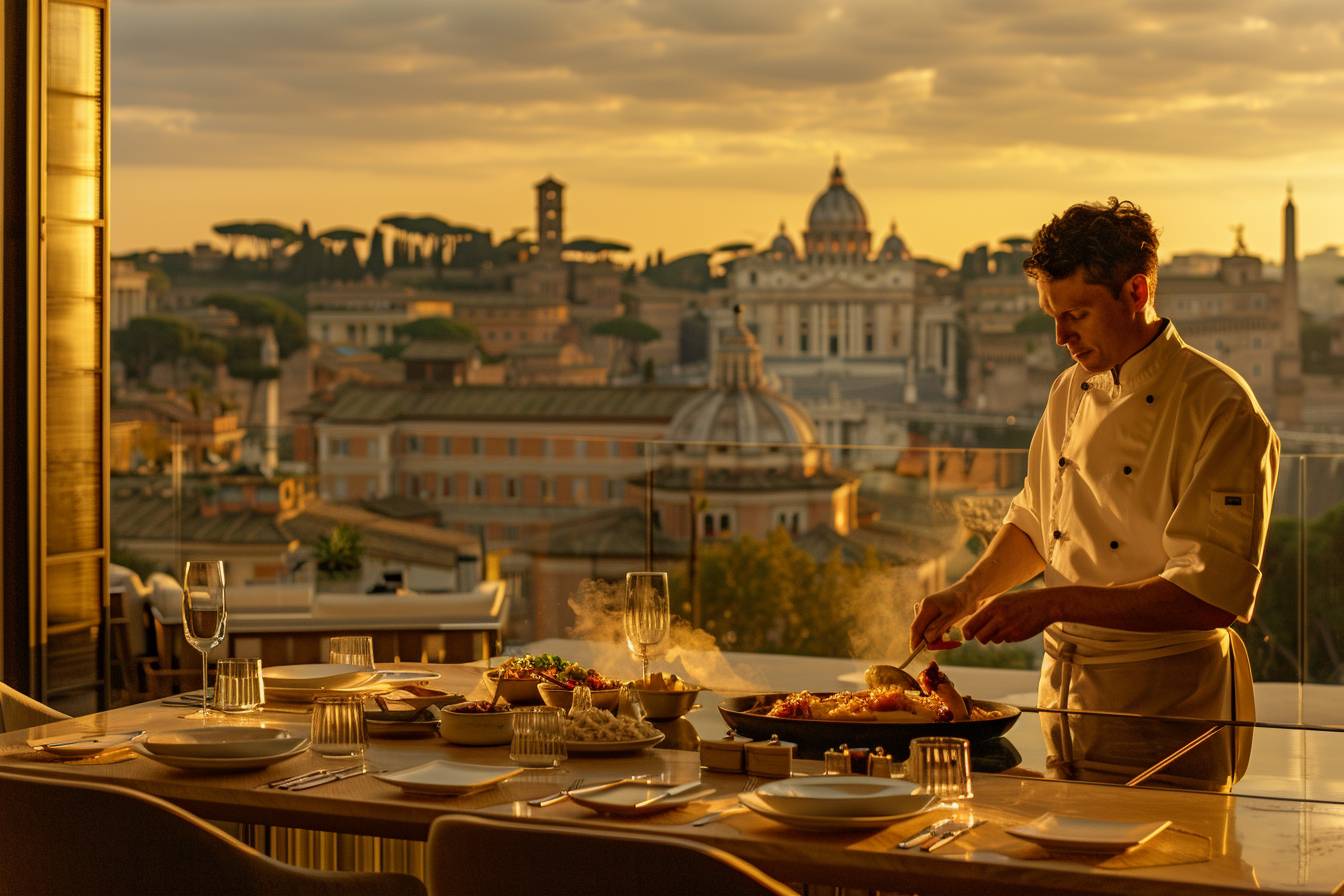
[352,650]
[538,737]
[941,766]
[238,686]
[338,726]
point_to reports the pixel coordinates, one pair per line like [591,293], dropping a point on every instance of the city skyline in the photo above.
[683,125]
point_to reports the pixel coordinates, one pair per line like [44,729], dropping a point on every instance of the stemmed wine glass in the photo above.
[647,613]
[203,619]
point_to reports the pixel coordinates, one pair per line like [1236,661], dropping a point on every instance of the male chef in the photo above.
[1146,501]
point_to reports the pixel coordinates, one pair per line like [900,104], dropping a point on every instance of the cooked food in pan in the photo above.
[935,701]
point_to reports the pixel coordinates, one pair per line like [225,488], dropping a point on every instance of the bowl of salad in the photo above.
[606,691]
[517,683]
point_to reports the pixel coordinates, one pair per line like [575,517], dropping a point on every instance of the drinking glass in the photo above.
[647,613]
[941,766]
[338,726]
[352,650]
[538,737]
[238,686]
[203,619]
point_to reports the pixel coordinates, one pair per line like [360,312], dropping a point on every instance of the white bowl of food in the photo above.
[471,725]
[563,698]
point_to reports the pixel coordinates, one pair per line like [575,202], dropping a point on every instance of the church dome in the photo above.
[893,247]
[837,225]
[766,429]
[781,247]
[837,208]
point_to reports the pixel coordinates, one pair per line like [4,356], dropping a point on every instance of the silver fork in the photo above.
[557,796]
[752,784]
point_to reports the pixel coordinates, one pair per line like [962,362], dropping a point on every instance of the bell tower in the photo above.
[550,217]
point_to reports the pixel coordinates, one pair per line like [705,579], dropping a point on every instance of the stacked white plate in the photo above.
[836,802]
[302,683]
[221,747]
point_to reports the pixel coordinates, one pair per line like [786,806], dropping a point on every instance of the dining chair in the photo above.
[18,711]
[472,856]
[76,837]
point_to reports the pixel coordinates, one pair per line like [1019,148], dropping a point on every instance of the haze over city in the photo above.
[686,123]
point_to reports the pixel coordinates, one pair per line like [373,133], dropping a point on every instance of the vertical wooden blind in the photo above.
[72,422]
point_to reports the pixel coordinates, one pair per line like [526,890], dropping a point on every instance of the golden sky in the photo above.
[684,124]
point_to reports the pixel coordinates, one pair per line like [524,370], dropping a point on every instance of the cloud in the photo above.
[717,91]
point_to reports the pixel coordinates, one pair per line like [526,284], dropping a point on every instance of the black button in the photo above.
[1128,469]
[1086,386]
[1149,399]
[1058,535]
[1063,462]
[1114,545]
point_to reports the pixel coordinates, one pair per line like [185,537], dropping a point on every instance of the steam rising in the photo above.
[883,609]
[690,652]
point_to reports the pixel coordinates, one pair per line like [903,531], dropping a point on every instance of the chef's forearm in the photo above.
[1150,605]
[1008,561]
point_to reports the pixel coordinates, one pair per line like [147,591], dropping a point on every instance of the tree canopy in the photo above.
[147,341]
[438,329]
[627,329]
[290,332]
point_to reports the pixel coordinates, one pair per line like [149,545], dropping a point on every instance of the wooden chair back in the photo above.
[473,856]
[68,837]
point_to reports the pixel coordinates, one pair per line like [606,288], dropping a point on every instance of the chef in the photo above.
[1146,501]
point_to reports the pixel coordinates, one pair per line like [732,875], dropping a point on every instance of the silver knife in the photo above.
[327,779]
[948,837]
[715,816]
[675,791]
[928,833]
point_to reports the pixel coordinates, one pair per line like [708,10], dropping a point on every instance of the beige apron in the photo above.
[1205,678]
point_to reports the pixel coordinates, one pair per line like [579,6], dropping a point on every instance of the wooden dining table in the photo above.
[1217,843]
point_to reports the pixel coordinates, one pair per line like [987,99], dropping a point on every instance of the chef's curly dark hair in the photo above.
[1108,241]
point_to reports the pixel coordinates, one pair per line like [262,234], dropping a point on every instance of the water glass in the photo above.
[338,726]
[538,737]
[941,766]
[352,650]
[238,686]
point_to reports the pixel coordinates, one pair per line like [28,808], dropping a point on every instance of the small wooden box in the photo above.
[724,754]
[771,758]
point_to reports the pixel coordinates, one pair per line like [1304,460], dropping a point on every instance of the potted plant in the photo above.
[340,558]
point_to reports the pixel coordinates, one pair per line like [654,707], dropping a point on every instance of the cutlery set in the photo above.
[318,777]
[564,794]
[939,834]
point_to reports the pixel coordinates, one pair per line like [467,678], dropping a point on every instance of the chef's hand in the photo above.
[937,613]
[1013,616]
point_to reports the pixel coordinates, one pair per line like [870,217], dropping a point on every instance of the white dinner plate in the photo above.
[820,822]
[232,764]
[599,747]
[622,799]
[842,796]
[315,675]
[222,741]
[77,745]
[1064,833]
[442,777]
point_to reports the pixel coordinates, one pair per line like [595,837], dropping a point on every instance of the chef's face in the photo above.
[1099,330]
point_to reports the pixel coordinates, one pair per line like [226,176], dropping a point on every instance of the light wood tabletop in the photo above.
[1218,844]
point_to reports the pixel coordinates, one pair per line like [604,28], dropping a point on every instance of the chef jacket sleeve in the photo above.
[1215,539]
[1026,510]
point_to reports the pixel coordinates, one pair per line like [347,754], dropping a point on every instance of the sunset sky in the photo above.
[684,124]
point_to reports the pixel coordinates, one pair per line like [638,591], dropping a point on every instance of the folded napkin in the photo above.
[117,754]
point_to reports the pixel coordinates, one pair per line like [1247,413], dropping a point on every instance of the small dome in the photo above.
[837,209]
[893,247]
[762,427]
[782,248]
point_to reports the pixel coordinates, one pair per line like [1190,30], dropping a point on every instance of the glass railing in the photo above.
[785,562]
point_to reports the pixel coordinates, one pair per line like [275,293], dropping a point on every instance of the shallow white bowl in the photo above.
[222,741]
[840,796]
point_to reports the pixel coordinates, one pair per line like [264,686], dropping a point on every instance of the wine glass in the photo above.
[647,613]
[203,619]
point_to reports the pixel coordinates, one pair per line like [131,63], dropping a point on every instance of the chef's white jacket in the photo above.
[1170,472]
